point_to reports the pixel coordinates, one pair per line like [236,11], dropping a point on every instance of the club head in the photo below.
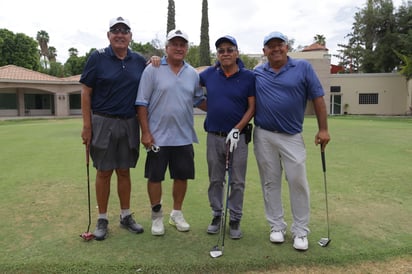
[87,236]
[216,252]
[323,242]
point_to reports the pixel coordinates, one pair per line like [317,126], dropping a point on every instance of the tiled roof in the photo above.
[315,47]
[15,73]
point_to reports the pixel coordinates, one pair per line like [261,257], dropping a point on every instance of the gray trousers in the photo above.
[216,160]
[275,152]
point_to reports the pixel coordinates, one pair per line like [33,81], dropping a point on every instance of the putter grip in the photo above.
[87,154]
[322,154]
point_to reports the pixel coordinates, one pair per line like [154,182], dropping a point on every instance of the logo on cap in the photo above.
[177,33]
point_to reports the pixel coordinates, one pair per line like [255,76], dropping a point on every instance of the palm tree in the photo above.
[52,54]
[406,66]
[43,38]
[320,39]
[406,70]
[73,52]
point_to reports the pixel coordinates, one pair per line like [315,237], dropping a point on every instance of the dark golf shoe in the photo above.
[130,224]
[214,227]
[100,232]
[234,230]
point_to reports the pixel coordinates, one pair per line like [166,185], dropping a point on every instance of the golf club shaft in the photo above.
[227,167]
[322,152]
[88,186]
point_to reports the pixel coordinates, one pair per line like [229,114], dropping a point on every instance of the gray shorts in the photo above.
[115,143]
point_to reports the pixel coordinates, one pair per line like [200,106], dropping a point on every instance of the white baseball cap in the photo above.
[119,20]
[177,33]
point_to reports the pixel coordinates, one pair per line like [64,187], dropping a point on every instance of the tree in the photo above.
[376,31]
[192,56]
[75,64]
[349,57]
[171,16]
[204,48]
[403,19]
[25,52]
[43,39]
[406,71]
[51,55]
[147,50]
[320,39]
[249,62]
[18,49]
[73,52]
[406,65]
[56,69]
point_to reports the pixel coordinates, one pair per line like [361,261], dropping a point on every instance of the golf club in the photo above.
[87,236]
[216,252]
[153,148]
[323,242]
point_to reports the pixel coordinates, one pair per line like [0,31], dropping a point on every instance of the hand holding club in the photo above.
[233,138]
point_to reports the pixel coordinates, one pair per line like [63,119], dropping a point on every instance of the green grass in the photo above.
[43,205]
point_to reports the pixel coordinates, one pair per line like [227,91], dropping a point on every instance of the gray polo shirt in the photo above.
[170,99]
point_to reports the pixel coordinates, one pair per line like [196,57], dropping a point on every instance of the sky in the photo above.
[83,24]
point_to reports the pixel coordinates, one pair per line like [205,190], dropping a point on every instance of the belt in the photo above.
[271,130]
[111,116]
[221,133]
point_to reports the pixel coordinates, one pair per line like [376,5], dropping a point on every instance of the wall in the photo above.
[391,88]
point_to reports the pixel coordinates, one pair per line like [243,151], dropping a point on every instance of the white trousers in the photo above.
[274,153]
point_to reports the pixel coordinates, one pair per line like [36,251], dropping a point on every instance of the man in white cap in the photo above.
[164,103]
[110,128]
[283,86]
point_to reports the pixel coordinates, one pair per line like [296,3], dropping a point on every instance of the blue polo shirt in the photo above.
[227,97]
[281,97]
[170,98]
[114,81]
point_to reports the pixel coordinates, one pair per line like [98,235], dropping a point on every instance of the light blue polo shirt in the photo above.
[281,97]
[170,99]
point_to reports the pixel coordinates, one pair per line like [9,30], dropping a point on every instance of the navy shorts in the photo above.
[180,160]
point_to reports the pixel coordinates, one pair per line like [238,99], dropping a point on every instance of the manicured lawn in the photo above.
[43,205]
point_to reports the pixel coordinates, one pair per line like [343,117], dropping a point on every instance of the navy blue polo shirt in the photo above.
[114,82]
[227,97]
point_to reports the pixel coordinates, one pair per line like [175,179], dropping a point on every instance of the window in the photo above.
[8,101]
[38,101]
[368,98]
[335,89]
[75,101]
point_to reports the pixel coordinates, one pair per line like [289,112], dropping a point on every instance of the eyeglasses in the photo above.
[228,50]
[120,30]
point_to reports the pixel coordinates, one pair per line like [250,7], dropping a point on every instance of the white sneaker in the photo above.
[158,228]
[179,222]
[277,236]
[301,243]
